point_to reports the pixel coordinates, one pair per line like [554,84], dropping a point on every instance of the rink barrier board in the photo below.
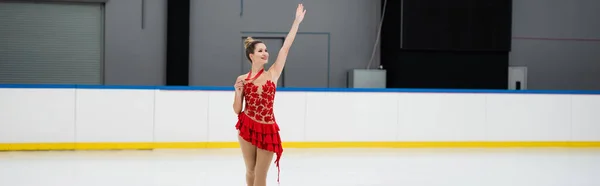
[221,145]
[162,144]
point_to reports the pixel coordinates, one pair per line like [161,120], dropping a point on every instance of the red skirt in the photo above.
[263,136]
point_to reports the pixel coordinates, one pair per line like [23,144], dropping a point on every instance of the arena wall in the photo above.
[67,117]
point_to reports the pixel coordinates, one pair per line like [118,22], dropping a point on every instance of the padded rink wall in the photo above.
[64,117]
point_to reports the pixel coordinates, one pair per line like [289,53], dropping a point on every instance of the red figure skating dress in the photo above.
[256,124]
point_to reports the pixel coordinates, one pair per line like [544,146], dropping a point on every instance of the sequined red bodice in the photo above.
[259,101]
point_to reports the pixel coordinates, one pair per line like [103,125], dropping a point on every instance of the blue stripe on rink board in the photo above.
[298,89]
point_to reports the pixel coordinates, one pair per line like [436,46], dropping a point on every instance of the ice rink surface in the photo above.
[306,167]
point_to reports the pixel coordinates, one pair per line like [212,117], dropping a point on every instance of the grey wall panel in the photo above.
[308,65]
[559,42]
[135,55]
[558,65]
[218,25]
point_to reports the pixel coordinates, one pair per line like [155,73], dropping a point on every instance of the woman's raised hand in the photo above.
[300,11]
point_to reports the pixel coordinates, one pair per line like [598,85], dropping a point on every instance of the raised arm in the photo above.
[277,67]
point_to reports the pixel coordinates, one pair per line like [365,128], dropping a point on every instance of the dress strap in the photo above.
[256,76]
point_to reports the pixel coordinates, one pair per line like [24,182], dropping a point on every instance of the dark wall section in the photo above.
[453,47]
[178,42]
[466,25]
[449,69]
[390,41]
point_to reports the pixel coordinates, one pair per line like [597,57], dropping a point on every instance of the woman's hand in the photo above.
[239,90]
[239,86]
[300,11]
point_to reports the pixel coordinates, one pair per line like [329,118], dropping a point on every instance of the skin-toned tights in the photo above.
[257,163]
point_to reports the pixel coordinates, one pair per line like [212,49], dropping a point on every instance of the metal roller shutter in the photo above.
[51,43]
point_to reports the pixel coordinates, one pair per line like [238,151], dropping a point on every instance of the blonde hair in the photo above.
[249,44]
[248,41]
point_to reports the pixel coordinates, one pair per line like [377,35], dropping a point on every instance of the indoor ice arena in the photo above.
[299,92]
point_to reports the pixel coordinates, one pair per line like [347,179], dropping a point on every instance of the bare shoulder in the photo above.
[240,77]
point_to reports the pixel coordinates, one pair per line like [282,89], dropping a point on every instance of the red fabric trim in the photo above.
[263,136]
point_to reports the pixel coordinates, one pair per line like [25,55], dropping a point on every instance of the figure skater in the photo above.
[258,130]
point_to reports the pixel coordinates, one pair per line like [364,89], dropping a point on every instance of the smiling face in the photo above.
[260,54]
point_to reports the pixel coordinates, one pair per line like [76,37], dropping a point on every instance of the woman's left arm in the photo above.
[287,44]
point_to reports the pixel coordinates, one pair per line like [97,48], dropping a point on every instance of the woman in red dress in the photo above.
[258,130]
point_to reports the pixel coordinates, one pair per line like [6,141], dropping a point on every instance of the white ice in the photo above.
[306,167]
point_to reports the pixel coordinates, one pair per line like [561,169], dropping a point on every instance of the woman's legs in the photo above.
[263,162]
[258,162]
[249,152]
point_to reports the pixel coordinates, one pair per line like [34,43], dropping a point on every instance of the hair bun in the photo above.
[248,41]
